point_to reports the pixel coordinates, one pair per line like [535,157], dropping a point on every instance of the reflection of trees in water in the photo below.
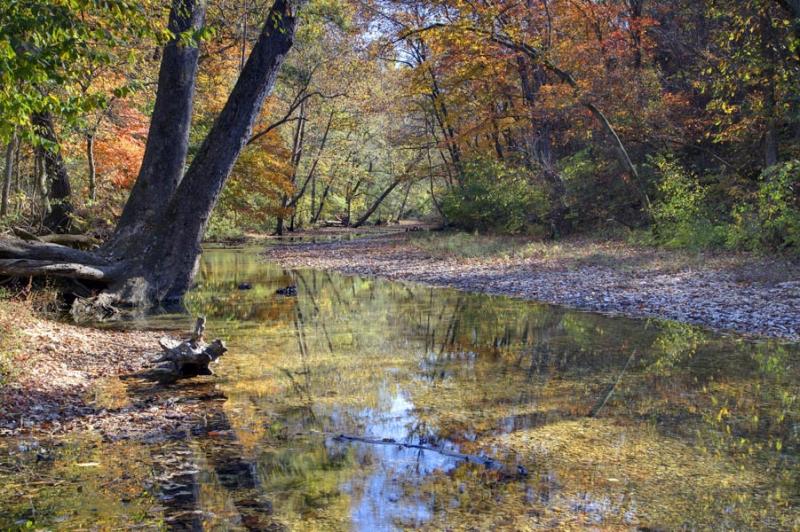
[476,366]
[203,473]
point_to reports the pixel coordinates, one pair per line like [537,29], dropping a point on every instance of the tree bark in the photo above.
[188,358]
[318,212]
[59,217]
[297,155]
[168,267]
[40,182]
[771,141]
[312,172]
[91,166]
[168,136]
[7,175]
[160,260]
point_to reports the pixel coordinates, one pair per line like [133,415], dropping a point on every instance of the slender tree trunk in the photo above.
[403,204]
[312,172]
[297,155]
[443,118]
[322,199]
[539,149]
[8,175]
[168,136]
[313,194]
[59,217]
[377,203]
[91,166]
[243,51]
[537,57]
[771,148]
[40,179]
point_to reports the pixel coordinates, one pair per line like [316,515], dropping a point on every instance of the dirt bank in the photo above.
[723,291]
[57,378]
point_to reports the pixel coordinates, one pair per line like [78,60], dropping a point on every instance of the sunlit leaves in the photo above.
[46,49]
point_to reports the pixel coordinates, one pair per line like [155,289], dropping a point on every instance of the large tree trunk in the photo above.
[165,271]
[59,217]
[168,136]
[160,256]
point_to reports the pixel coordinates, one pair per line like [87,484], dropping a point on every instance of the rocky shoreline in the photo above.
[725,292]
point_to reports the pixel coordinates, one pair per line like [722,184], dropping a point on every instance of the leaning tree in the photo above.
[151,259]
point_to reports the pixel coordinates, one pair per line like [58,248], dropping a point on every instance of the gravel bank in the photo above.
[726,292]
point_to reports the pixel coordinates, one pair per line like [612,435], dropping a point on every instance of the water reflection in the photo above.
[619,423]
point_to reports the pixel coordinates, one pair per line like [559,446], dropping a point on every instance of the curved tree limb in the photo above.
[15,248]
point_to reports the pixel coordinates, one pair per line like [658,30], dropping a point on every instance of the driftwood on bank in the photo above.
[183,359]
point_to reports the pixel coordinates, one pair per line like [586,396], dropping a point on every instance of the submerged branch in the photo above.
[489,463]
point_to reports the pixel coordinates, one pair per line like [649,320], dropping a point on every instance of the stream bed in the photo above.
[596,421]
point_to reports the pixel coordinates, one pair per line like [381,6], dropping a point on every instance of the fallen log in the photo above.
[183,359]
[76,241]
[65,239]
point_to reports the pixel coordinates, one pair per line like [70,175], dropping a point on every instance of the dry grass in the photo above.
[608,254]
[9,337]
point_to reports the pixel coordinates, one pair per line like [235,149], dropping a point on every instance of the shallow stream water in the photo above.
[599,421]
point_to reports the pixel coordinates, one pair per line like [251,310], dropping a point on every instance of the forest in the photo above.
[472,264]
[678,120]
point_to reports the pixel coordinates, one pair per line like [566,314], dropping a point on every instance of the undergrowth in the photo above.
[9,335]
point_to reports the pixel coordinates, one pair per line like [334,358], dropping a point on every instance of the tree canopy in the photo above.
[676,122]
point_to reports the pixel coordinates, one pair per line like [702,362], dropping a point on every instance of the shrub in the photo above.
[496,198]
[681,214]
[772,221]
[223,228]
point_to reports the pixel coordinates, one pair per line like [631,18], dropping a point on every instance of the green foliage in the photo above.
[768,220]
[681,215]
[772,221]
[223,227]
[594,192]
[47,49]
[494,197]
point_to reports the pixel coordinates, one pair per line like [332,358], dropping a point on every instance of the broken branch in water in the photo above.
[183,359]
[517,471]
